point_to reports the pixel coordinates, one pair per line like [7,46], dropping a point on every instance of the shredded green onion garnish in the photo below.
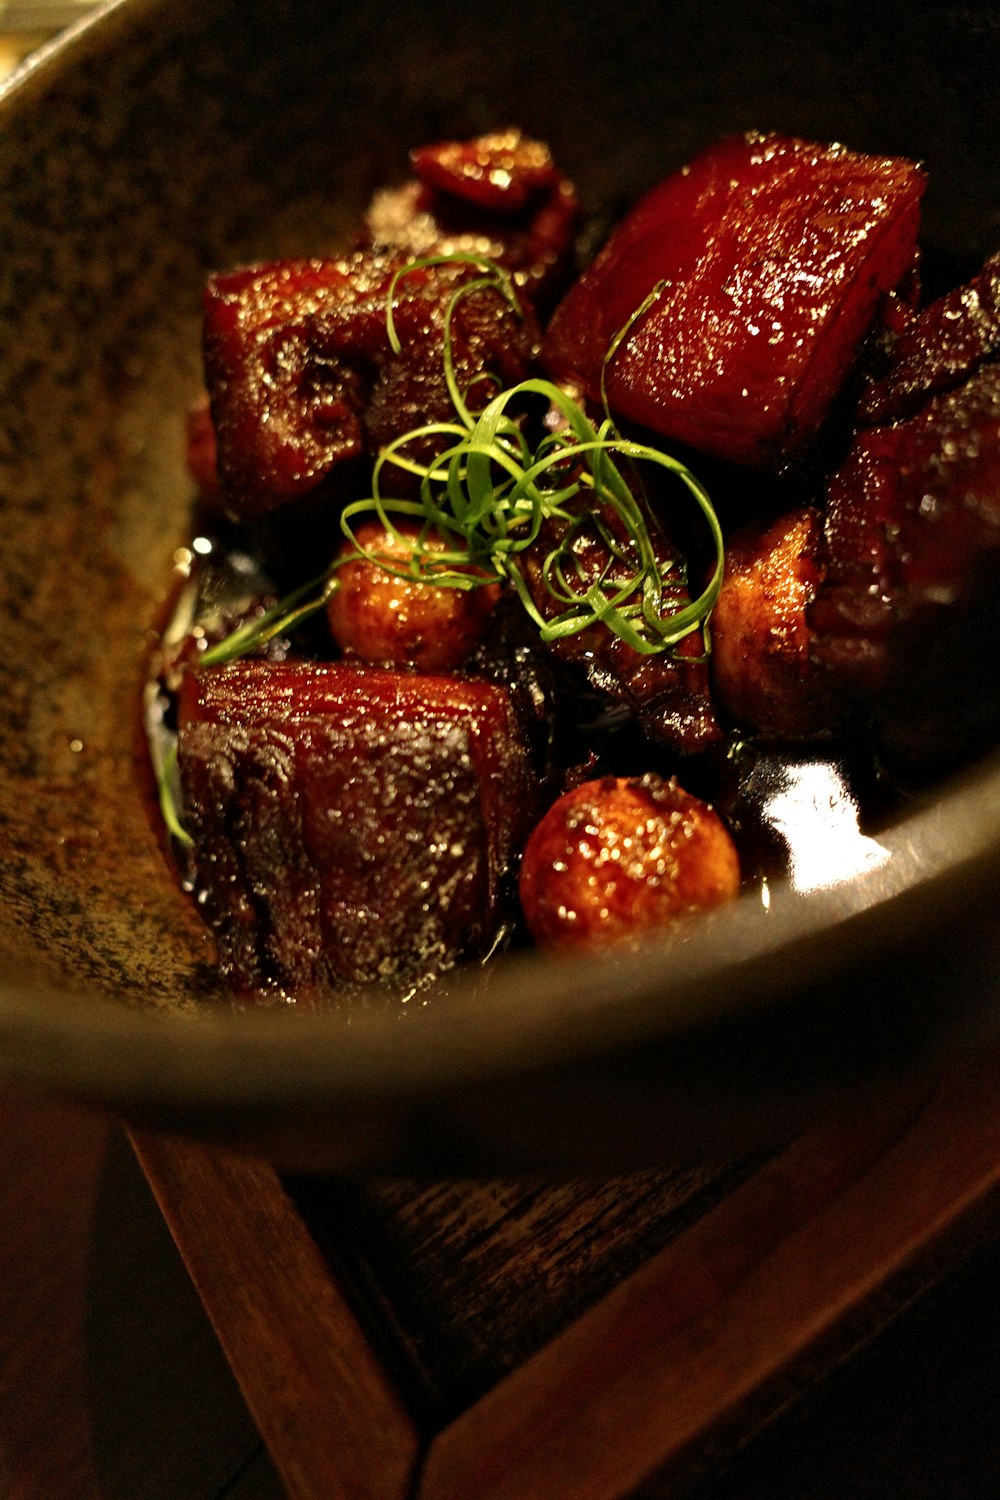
[168,802]
[276,620]
[487,493]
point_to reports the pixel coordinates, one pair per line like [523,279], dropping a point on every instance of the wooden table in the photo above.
[595,1340]
[113,1385]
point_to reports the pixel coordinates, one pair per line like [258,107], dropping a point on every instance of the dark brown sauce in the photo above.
[804,817]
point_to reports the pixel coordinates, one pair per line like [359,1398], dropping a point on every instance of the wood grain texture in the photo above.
[332,1421]
[914,1414]
[717,1331]
[664,1319]
[112,1383]
[469,1279]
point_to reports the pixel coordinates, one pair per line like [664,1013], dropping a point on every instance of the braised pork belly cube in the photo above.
[764,672]
[303,379]
[281,421]
[352,824]
[939,349]
[765,262]
[908,614]
[498,196]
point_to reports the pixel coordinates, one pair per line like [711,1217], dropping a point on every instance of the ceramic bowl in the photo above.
[166,138]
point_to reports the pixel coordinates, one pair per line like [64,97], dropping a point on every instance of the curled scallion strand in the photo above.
[278,619]
[168,798]
[489,491]
[486,493]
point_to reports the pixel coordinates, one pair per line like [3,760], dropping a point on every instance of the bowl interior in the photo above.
[161,141]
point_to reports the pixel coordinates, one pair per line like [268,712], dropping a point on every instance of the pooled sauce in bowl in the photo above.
[534,606]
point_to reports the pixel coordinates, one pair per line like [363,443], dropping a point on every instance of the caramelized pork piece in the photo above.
[766,261]
[909,611]
[499,196]
[352,825]
[763,670]
[619,856]
[667,692]
[282,419]
[940,348]
[303,379]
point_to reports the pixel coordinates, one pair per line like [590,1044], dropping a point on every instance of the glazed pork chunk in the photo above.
[352,824]
[764,668]
[764,263]
[909,610]
[304,383]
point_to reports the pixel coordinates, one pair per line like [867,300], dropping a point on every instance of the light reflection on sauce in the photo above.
[814,811]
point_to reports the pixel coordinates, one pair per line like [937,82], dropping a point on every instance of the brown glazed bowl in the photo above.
[165,138]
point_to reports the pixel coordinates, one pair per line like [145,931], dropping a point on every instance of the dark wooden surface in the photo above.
[466,1280]
[316,1387]
[741,1311]
[112,1383]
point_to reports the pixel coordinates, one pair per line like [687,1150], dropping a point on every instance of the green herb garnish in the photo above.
[167,797]
[277,619]
[487,493]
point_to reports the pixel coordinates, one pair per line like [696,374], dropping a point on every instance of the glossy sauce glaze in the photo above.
[401,773]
